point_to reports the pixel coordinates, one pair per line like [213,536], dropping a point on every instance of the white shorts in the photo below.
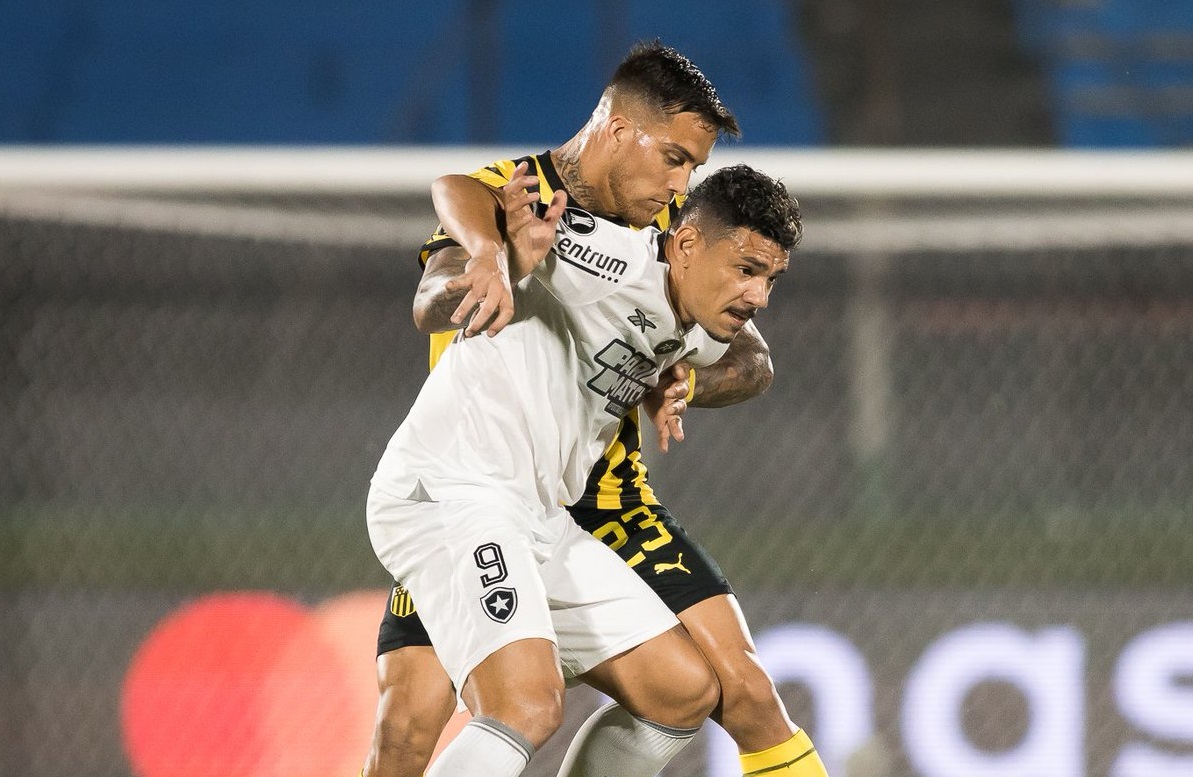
[481,581]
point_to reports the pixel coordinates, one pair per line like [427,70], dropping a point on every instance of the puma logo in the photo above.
[661,568]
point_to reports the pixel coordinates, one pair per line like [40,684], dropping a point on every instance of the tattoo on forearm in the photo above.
[435,303]
[744,371]
[439,308]
[727,383]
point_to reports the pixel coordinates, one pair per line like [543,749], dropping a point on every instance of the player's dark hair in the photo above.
[740,196]
[668,82]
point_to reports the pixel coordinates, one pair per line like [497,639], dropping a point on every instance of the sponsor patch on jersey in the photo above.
[500,604]
[623,376]
[581,255]
[579,221]
[668,346]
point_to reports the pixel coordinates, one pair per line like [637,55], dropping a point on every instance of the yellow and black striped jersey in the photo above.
[619,480]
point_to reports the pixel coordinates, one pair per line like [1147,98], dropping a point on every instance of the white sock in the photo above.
[614,742]
[485,747]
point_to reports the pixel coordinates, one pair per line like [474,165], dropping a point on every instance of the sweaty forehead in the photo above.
[752,245]
[686,131]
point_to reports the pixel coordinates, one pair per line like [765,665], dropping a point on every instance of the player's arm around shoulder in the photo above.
[475,281]
[744,371]
[479,285]
[468,212]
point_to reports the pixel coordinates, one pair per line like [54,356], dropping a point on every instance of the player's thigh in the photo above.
[415,704]
[750,710]
[653,543]
[664,679]
[416,693]
[406,660]
[472,570]
[719,628]
[599,608]
[617,635]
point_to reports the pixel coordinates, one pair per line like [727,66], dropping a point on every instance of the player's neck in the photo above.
[675,272]
[576,169]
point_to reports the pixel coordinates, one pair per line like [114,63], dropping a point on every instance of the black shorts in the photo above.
[647,537]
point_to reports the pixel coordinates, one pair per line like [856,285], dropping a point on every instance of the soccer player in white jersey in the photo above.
[657,120]
[465,504]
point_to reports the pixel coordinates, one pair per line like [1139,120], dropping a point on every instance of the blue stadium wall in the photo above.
[374,71]
[1119,72]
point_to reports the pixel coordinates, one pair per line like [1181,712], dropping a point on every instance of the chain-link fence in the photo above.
[960,522]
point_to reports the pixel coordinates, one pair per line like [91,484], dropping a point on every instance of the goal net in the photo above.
[960,523]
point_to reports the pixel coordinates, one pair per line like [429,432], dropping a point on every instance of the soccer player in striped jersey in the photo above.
[465,505]
[631,161]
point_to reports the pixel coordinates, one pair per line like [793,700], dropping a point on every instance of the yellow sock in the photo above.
[796,757]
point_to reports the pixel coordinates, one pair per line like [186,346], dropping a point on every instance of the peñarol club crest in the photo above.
[400,603]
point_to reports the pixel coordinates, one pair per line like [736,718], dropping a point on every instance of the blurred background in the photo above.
[960,523]
[875,72]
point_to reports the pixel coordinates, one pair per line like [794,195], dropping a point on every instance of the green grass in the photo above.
[186,548]
[205,547]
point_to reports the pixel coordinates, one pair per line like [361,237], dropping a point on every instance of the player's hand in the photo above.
[530,235]
[488,303]
[665,404]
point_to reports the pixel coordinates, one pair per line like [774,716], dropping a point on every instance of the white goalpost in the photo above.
[1093,198]
[868,172]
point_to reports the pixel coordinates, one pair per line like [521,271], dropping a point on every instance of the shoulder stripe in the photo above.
[548,176]
[494,175]
[433,244]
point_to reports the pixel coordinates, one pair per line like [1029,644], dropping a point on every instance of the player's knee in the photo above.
[693,693]
[535,713]
[408,725]
[744,683]
[402,727]
[521,686]
[704,699]
[416,701]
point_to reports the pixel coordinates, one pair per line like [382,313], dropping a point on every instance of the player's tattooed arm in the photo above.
[472,287]
[468,211]
[434,303]
[744,371]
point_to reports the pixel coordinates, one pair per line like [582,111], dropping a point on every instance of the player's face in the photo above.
[727,280]
[655,164]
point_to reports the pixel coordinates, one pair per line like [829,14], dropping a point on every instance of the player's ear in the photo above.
[618,128]
[686,237]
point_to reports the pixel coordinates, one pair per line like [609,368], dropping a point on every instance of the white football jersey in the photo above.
[527,413]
